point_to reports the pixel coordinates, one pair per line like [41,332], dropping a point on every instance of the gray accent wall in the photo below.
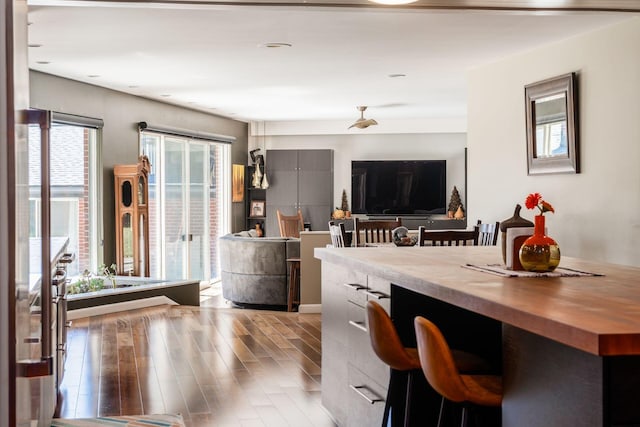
[121,113]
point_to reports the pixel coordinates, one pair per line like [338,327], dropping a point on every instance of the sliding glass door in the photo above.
[186,205]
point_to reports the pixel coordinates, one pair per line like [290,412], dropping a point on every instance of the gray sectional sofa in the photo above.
[254,269]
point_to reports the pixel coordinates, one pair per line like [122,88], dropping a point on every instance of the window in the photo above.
[74,180]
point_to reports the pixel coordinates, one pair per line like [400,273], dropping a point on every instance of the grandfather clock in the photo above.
[132,218]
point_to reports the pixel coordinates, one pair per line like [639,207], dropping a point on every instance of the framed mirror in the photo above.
[552,125]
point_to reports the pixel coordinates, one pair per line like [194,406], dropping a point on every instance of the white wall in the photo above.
[596,210]
[425,146]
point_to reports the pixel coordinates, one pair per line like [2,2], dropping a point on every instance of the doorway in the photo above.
[187,205]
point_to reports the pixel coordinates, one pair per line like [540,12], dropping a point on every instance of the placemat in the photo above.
[501,270]
[165,420]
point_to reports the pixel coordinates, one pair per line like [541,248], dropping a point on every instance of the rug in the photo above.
[164,420]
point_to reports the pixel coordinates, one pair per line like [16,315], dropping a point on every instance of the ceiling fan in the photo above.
[362,123]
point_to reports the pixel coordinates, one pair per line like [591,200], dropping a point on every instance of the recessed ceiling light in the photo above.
[93,76]
[43,62]
[133,87]
[34,45]
[394,75]
[165,95]
[276,45]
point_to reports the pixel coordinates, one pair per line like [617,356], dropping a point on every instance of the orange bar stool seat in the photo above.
[439,367]
[405,360]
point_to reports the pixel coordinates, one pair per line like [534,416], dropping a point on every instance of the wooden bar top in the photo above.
[596,314]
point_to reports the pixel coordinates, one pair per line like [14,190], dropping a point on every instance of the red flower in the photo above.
[534,200]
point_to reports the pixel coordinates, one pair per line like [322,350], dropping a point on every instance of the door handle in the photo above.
[359,325]
[357,388]
[377,294]
[354,286]
[44,366]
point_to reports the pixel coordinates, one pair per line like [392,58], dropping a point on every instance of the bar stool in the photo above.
[442,374]
[294,280]
[405,360]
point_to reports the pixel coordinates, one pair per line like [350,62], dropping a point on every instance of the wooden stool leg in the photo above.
[292,292]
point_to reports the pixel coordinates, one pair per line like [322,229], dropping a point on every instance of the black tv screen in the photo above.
[398,187]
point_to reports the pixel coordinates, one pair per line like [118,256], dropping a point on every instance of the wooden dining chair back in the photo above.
[338,233]
[488,233]
[290,225]
[440,370]
[374,231]
[448,237]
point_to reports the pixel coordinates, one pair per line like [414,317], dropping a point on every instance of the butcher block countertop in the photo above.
[596,314]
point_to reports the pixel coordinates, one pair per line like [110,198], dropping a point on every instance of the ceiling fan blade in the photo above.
[363,123]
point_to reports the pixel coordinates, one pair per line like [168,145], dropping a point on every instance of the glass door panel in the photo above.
[174,201]
[150,147]
[219,160]
[198,202]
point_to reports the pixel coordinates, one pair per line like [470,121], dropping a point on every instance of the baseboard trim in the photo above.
[120,306]
[310,308]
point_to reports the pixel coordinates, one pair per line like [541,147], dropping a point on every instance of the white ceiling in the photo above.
[209,57]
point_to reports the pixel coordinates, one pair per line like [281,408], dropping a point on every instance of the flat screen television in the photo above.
[398,187]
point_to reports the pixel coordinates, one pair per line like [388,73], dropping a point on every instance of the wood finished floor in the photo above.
[215,366]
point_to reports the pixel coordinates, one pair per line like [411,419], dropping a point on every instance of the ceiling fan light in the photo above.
[363,123]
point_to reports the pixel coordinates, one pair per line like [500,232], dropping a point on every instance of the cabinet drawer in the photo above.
[334,304]
[359,350]
[355,284]
[366,400]
[335,390]
[379,290]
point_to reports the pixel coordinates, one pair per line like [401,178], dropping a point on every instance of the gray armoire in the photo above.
[299,179]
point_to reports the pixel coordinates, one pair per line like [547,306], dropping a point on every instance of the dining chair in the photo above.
[439,368]
[488,233]
[448,237]
[374,231]
[290,225]
[338,234]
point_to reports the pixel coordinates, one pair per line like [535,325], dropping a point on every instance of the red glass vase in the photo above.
[539,253]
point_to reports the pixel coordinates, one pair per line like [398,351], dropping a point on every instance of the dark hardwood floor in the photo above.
[215,365]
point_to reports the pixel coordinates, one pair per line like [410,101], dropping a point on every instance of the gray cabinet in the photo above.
[299,179]
[354,380]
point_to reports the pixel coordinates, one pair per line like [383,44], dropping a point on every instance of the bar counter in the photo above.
[570,345]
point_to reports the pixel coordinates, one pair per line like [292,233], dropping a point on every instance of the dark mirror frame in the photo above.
[566,84]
